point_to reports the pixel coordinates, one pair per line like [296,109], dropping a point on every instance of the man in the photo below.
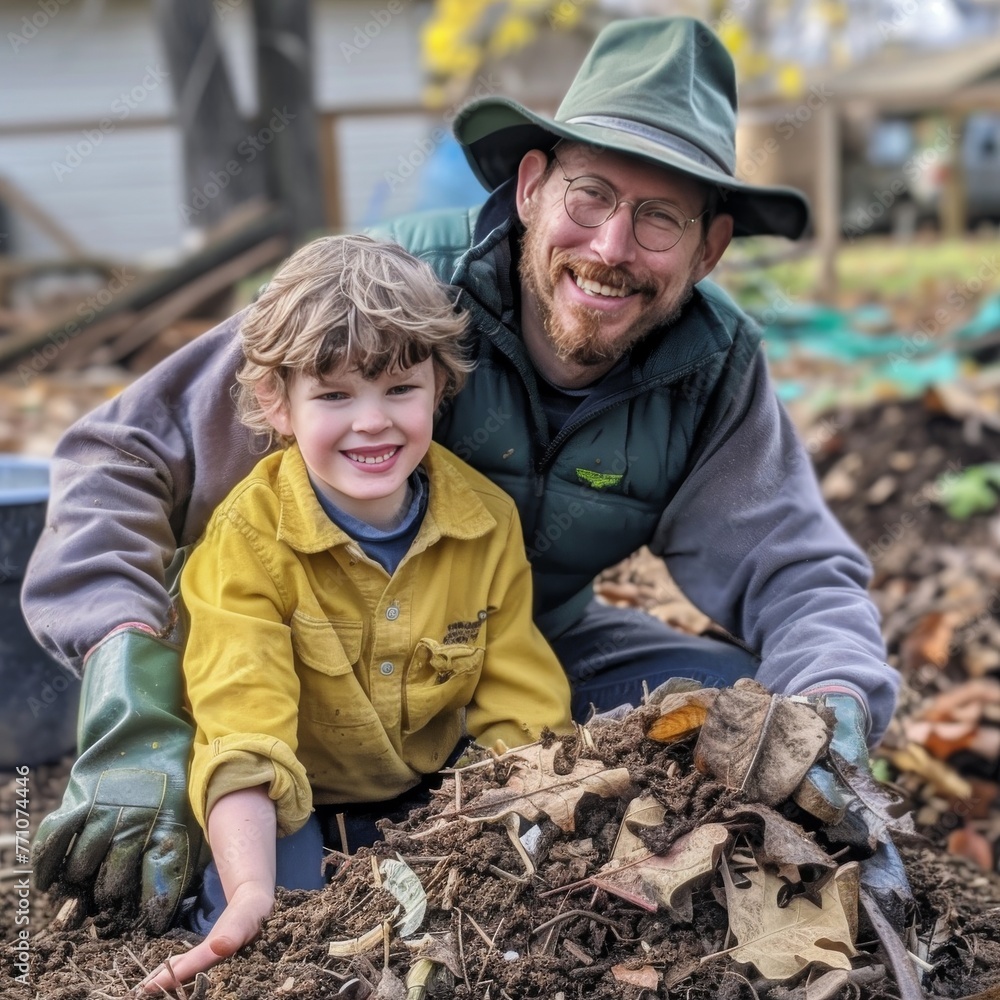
[618,398]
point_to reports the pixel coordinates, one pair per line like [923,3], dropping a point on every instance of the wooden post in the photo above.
[827,208]
[219,173]
[329,158]
[954,205]
[287,115]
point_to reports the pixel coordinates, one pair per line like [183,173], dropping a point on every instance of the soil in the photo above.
[551,934]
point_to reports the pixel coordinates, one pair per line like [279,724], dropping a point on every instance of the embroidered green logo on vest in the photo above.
[598,479]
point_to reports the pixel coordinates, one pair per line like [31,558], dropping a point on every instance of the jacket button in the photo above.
[392,612]
[386,668]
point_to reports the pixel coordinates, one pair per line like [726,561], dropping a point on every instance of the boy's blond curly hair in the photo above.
[345,303]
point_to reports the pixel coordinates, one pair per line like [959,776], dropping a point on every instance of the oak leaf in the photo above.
[643,812]
[782,941]
[535,790]
[649,880]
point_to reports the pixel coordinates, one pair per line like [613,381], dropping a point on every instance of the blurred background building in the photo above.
[205,139]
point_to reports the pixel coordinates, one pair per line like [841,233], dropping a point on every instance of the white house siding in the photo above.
[115,189]
[120,202]
[74,66]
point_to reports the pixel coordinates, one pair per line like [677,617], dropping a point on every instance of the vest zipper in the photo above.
[609,403]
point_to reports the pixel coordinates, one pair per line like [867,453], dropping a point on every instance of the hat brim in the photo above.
[496,132]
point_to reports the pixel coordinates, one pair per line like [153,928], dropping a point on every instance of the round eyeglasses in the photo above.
[590,202]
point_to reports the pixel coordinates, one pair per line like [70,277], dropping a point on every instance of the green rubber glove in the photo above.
[123,837]
[822,793]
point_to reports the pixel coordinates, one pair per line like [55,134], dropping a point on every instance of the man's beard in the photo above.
[577,338]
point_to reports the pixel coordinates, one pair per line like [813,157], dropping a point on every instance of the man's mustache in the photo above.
[590,270]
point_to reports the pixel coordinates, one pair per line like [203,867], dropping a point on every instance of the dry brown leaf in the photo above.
[874,811]
[681,714]
[642,812]
[647,880]
[443,950]
[968,843]
[930,641]
[914,759]
[783,842]
[941,739]
[759,743]
[535,790]
[781,942]
[645,978]
[968,702]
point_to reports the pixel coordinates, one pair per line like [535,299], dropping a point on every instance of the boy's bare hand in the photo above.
[238,925]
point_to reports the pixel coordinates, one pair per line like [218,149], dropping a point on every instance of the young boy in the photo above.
[361,601]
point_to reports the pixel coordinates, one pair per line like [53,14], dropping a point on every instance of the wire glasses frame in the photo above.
[591,201]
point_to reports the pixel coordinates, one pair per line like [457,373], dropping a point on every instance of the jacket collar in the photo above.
[454,509]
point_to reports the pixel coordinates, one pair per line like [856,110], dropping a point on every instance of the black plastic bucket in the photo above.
[38,697]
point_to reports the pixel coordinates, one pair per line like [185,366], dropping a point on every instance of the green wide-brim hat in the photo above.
[662,89]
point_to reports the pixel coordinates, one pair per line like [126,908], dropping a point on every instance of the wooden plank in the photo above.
[27,206]
[143,291]
[77,352]
[178,304]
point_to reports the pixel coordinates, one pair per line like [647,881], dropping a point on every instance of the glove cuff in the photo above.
[836,695]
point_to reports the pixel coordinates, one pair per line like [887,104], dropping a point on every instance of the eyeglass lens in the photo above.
[590,203]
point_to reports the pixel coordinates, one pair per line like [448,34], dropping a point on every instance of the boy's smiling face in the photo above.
[361,438]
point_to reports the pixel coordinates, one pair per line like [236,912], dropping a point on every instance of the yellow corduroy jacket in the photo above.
[310,669]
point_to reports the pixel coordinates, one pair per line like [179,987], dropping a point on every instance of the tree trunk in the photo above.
[287,117]
[221,170]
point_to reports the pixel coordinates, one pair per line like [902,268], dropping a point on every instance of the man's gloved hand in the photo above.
[849,817]
[126,805]
[823,793]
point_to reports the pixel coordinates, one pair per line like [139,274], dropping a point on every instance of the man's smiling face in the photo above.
[590,294]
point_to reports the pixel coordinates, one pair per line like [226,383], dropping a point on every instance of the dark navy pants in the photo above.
[610,651]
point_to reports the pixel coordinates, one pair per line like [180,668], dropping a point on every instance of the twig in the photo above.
[569,914]
[76,968]
[479,930]
[512,825]
[546,949]
[895,951]
[430,831]
[448,898]
[508,876]
[492,947]
[461,952]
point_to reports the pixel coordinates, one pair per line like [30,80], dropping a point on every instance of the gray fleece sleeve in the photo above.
[131,482]
[751,542]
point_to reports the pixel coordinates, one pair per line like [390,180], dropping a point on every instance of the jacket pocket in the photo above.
[440,680]
[331,647]
[326,652]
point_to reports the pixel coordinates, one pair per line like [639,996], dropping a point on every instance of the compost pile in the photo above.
[524,906]
[637,858]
